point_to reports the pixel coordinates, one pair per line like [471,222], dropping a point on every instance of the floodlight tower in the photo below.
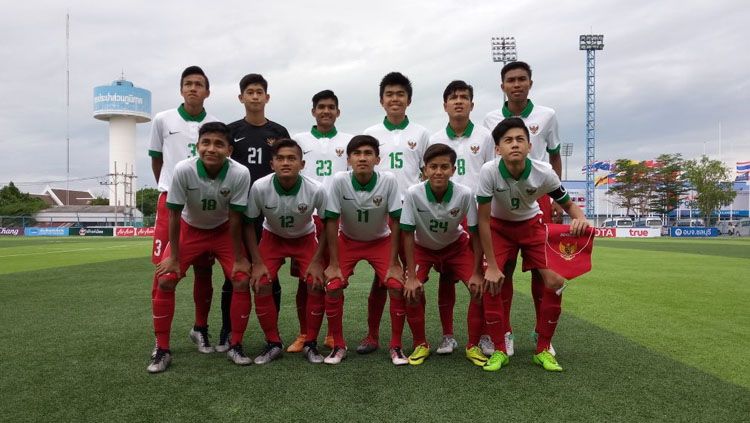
[590,43]
[504,51]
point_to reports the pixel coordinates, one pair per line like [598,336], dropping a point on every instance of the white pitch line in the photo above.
[63,251]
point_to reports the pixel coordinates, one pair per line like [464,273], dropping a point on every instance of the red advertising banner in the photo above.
[124,231]
[149,232]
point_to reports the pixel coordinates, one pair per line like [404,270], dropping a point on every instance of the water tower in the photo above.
[123,105]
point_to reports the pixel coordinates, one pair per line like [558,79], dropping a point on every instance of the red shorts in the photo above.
[545,204]
[377,253]
[529,236]
[161,235]
[274,249]
[196,244]
[294,267]
[456,259]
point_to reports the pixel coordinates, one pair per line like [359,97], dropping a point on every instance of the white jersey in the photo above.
[542,124]
[324,154]
[473,148]
[435,224]
[287,214]
[174,135]
[205,202]
[515,200]
[364,209]
[402,149]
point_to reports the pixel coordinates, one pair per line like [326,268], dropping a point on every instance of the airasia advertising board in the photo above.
[130,231]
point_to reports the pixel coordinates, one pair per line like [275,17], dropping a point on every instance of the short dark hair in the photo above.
[396,78]
[437,150]
[507,124]
[216,128]
[253,78]
[458,86]
[325,95]
[285,143]
[358,141]
[193,70]
[515,65]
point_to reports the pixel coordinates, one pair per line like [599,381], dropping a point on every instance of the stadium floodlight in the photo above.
[503,49]
[590,43]
[566,150]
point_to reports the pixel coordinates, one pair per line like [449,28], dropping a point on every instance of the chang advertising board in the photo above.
[122,98]
[693,232]
[45,231]
[11,231]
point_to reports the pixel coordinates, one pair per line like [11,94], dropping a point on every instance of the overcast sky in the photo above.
[674,76]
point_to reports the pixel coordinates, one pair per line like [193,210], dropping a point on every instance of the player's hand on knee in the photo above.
[476,285]
[314,274]
[168,265]
[332,272]
[395,272]
[493,280]
[241,266]
[412,289]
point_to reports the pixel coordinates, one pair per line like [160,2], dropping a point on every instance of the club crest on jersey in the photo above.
[567,250]
[454,211]
[377,200]
[270,141]
[474,149]
[339,152]
[301,208]
[534,129]
[412,144]
[224,192]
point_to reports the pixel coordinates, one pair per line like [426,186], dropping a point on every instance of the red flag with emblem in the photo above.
[568,255]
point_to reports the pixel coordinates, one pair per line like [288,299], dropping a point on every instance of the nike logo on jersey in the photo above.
[239,139]
[175,132]
[192,189]
[305,152]
[269,208]
[501,189]
[422,211]
[350,199]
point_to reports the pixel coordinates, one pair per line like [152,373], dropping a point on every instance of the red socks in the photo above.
[315,308]
[494,319]
[162,307]
[398,318]
[446,303]
[415,316]
[265,309]
[375,305]
[239,311]
[203,291]
[335,312]
[301,300]
[550,312]
[475,320]
[506,293]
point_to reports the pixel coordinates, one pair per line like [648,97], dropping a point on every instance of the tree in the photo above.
[146,199]
[16,203]
[632,185]
[669,187]
[709,179]
[100,201]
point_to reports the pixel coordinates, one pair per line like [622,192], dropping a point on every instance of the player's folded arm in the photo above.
[155,154]
[483,200]
[175,206]
[395,214]
[560,195]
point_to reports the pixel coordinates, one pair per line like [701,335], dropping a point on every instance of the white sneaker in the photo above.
[160,361]
[270,352]
[335,356]
[199,336]
[509,343]
[223,345]
[397,357]
[237,356]
[485,343]
[447,345]
[310,350]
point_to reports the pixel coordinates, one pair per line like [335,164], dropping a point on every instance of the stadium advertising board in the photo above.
[145,231]
[11,232]
[91,231]
[687,231]
[638,232]
[45,231]
[131,231]
[605,232]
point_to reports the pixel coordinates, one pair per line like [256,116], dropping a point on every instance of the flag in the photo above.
[606,179]
[568,255]
[745,176]
[598,165]
[743,166]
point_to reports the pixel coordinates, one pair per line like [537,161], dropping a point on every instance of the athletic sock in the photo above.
[550,312]
[537,291]
[239,312]
[268,316]
[203,291]
[163,312]
[494,321]
[506,294]
[415,317]
[301,300]
[226,304]
[375,305]
[398,318]
[277,294]
[315,308]
[335,311]
[475,321]
[446,304]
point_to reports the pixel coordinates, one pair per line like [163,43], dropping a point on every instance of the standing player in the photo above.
[206,199]
[253,136]
[434,236]
[402,146]
[363,199]
[542,124]
[324,152]
[287,200]
[174,136]
[474,147]
[509,221]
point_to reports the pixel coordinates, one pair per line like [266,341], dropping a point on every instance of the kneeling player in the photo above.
[363,199]
[287,200]
[510,220]
[434,236]
[208,194]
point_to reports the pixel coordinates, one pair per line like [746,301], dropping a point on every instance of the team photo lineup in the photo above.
[462,201]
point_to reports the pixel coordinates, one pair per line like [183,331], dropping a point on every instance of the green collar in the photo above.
[524,113]
[281,191]
[506,174]
[367,187]
[190,118]
[446,197]
[467,132]
[389,126]
[317,134]
[203,173]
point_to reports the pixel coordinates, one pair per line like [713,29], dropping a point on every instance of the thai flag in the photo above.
[743,166]
[742,177]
